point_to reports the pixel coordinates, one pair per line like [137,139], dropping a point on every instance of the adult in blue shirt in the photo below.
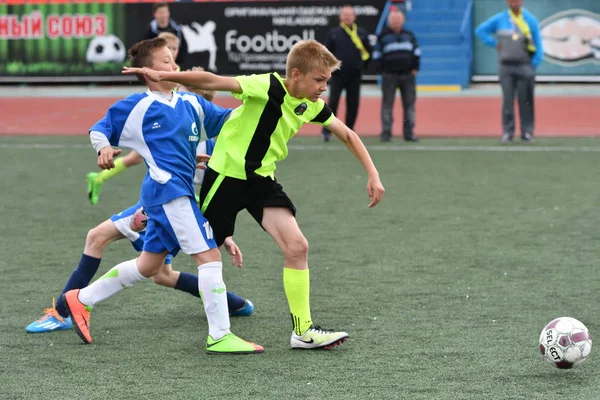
[515,33]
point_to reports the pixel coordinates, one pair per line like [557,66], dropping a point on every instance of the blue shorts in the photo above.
[178,225]
[123,221]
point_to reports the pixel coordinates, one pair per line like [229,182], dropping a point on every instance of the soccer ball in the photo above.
[565,342]
[105,49]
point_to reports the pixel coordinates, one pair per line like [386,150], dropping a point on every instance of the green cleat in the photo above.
[94,187]
[231,344]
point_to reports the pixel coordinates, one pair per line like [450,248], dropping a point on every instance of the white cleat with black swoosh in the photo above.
[317,338]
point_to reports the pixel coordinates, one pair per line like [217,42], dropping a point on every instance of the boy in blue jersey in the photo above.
[95,180]
[130,224]
[241,172]
[164,127]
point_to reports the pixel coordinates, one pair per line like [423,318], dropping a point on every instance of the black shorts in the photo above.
[223,197]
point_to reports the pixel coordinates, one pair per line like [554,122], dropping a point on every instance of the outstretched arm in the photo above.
[197,79]
[375,189]
[207,94]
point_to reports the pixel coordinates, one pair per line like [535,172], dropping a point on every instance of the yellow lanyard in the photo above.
[353,33]
[520,22]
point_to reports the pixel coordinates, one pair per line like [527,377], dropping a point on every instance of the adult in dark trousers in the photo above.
[162,22]
[398,59]
[350,44]
[515,33]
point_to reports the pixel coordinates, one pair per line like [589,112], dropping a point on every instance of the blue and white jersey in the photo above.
[205,147]
[166,133]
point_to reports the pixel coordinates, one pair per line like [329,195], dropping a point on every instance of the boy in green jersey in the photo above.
[241,169]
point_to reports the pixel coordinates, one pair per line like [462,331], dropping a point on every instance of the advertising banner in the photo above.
[241,38]
[62,39]
[230,38]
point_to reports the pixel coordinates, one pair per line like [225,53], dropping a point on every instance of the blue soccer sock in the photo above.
[80,278]
[234,301]
[189,283]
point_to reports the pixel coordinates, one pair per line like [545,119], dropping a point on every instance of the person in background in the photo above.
[398,56]
[349,44]
[515,33]
[402,5]
[162,22]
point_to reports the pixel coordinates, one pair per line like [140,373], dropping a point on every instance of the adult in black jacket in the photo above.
[350,44]
[398,59]
[162,22]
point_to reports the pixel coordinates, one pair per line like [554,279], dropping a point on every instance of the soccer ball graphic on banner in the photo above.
[105,49]
[565,342]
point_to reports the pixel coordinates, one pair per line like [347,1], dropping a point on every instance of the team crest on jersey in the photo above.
[300,109]
[194,137]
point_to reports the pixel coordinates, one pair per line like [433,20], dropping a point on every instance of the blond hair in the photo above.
[168,35]
[308,55]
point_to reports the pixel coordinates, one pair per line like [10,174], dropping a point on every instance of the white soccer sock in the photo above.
[118,278]
[214,296]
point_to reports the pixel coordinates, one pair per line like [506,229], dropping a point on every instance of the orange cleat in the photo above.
[79,313]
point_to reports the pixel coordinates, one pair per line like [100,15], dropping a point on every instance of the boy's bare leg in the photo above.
[283,228]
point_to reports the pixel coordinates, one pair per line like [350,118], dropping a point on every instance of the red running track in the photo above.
[436,116]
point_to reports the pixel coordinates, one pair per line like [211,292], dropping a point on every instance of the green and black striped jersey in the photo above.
[255,136]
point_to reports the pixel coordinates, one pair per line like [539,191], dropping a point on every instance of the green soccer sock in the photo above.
[107,174]
[296,284]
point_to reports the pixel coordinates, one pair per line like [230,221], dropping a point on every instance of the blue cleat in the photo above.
[245,311]
[50,322]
